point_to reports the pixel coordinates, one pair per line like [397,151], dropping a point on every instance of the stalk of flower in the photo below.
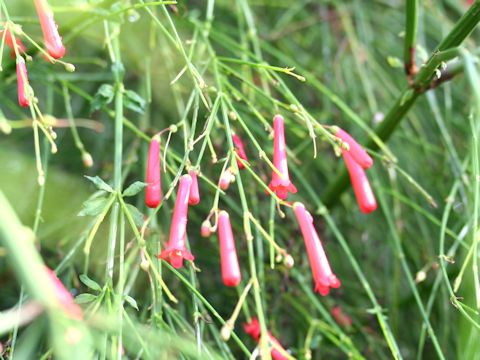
[194,197]
[323,275]
[252,328]
[23,87]
[361,186]
[355,149]
[153,191]
[51,37]
[280,184]
[240,147]
[175,250]
[231,274]
[64,297]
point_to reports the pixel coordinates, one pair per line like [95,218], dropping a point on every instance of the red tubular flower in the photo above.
[63,296]
[252,328]
[228,253]
[51,37]
[194,197]
[237,141]
[176,250]
[153,191]
[22,83]
[361,186]
[323,276]
[9,41]
[280,185]
[357,152]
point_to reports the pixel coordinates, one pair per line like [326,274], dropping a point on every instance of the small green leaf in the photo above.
[90,283]
[102,97]
[85,298]
[131,301]
[134,188]
[134,102]
[100,184]
[136,215]
[93,207]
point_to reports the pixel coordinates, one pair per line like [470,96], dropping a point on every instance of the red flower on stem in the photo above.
[361,186]
[356,150]
[176,250]
[194,197]
[231,274]
[51,37]
[323,275]
[153,191]
[9,41]
[237,141]
[22,83]
[280,184]
[63,296]
[252,328]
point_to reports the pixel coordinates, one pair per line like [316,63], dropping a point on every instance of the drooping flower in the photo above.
[63,296]
[175,250]
[225,179]
[356,150]
[9,41]
[51,37]
[253,329]
[22,83]
[153,191]
[194,197]
[361,187]
[231,274]
[323,275]
[280,184]
[240,147]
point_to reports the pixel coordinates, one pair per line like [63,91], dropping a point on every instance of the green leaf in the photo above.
[85,298]
[90,283]
[102,97]
[100,184]
[93,207]
[134,102]
[134,188]
[131,301]
[137,216]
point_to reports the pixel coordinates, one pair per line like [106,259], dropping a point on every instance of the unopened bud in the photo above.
[288,261]
[145,265]
[205,230]
[226,331]
[69,67]
[232,115]
[421,276]
[87,160]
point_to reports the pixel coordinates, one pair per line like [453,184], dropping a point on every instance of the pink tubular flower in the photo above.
[194,197]
[63,296]
[280,185]
[228,253]
[357,152]
[323,276]
[22,83]
[252,328]
[361,186]
[51,37]
[205,229]
[153,191]
[237,141]
[176,250]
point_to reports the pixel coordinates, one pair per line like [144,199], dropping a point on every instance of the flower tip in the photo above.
[56,51]
[278,118]
[232,281]
[368,207]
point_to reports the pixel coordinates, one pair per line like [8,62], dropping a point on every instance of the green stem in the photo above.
[411,21]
